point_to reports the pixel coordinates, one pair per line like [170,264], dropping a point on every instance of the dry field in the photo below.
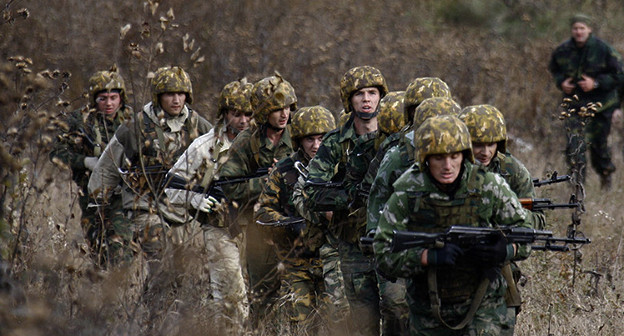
[488,51]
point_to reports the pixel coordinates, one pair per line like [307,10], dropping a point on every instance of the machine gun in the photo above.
[468,236]
[536,204]
[554,178]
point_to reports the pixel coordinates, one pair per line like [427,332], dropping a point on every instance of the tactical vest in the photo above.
[429,213]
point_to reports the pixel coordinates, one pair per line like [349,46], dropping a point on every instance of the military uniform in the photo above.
[198,165]
[141,161]
[251,150]
[600,61]
[418,204]
[87,134]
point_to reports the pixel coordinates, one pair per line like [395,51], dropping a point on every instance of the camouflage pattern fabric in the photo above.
[236,96]
[418,205]
[227,284]
[390,119]
[171,79]
[311,120]
[244,160]
[486,125]
[440,135]
[420,89]
[271,94]
[602,62]
[87,134]
[106,81]
[358,78]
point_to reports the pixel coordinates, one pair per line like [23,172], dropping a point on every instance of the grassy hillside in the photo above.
[492,52]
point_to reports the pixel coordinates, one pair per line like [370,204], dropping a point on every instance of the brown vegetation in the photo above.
[488,51]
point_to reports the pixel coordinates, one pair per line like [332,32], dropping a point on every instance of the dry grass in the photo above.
[487,51]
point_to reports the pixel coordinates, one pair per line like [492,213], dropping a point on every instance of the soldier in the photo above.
[261,146]
[488,134]
[446,189]
[198,165]
[88,131]
[344,156]
[588,71]
[141,152]
[298,244]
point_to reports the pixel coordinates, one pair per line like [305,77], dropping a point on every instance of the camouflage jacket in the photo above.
[277,204]
[519,180]
[343,157]
[87,134]
[595,59]
[142,190]
[250,151]
[483,199]
[394,163]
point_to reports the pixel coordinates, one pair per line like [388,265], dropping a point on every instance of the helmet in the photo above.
[486,124]
[271,94]
[311,121]
[390,119]
[442,134]
[359,78]
[236,96]
[421,89]
[107,81]
[432,107]
[343,117]
[171,79]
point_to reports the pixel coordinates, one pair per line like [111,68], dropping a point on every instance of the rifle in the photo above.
[215,190]
[293,221]
[468,236]
[536,204]
[554,178]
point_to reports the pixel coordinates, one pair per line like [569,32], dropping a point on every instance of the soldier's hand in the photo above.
[494,254]
[587,83]
[208,204]
[445,256]
[567,86]
[90,162]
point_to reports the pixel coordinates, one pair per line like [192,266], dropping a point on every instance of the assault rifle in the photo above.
[469,236]
[293,221]
[90,143]
[554,178]
[215,190]
[536,204]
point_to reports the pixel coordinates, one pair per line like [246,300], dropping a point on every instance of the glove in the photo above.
[445,256]
[208,204]
[90,162]
[494,254]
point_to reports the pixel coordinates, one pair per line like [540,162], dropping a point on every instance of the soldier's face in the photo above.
[238,119]
[445,167]
[279,118]
[484,151]
[580,33]
[311,144]
[365,100]
[108,102]
[172,102]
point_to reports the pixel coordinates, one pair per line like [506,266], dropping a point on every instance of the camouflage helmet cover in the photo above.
[236,96]
[390,119]
[311,121]
[419,90]
[271,94]
[358,78]
[486,125]
[171,79]
[444,134]
[107,81]
[432,107]
[343,117]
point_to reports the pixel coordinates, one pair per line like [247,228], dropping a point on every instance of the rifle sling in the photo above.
[512,296]
[432,282]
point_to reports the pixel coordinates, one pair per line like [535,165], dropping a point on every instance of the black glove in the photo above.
[494,254]
[445,256]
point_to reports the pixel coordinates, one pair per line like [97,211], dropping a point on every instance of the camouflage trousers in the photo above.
[362,289]
[592,135]
[487,321]
[339,310]
[302,291]
[393,307]
[226,277]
